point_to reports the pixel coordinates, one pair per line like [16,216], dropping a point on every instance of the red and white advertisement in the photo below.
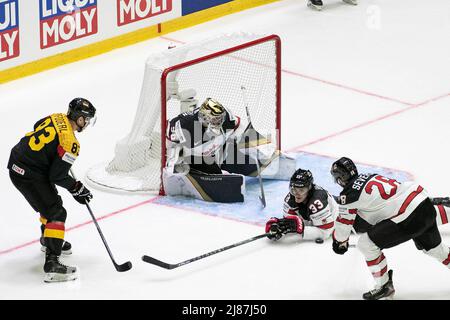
[9,29]
[129,11]
[64,21]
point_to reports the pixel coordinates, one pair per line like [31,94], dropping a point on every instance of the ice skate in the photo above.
[385,292]
[352,2]
[55,271]
[315,4]
[65,250]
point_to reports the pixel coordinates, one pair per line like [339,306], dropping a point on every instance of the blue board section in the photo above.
[251,210]
[190,6]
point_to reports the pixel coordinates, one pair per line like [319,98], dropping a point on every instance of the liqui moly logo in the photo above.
[129,11]
[9,29]
[66,20]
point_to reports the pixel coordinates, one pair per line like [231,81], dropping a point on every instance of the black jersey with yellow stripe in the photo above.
[48,152]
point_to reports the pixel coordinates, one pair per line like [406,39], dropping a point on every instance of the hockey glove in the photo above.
[292,224]
[274,229]
[81,193]
[340,247]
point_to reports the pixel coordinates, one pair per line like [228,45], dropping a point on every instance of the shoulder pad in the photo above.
[319,194]
[352,192]
[67,140]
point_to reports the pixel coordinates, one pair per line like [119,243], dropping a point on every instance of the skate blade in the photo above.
[64,252]
[58,277]
[312,6]
[351,2]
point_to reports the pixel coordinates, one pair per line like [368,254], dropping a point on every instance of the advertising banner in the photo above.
[9,29]
[64,21]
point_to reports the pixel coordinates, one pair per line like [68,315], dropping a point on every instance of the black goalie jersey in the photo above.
[375,198]
[198,145]
[318,212]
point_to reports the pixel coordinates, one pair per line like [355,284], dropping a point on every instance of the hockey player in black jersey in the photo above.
[205,158]
[309,210]
[397,212]
[41,160]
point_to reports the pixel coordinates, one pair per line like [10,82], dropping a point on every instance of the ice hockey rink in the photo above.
[370,82]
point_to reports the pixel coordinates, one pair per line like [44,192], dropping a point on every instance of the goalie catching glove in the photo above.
[80,193]
[278,227]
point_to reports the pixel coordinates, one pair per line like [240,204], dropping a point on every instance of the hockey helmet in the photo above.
[343,171]
[212,114]
[301,183]
[80,107]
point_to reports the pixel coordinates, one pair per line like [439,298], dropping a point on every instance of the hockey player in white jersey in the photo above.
[398,212]
[309,210]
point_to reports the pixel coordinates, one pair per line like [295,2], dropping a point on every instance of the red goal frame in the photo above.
[165,73]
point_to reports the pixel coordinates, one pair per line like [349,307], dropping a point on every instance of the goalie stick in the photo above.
[262,198]
[119,267]
[170,266]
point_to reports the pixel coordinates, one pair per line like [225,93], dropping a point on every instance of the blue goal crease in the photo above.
[251,209]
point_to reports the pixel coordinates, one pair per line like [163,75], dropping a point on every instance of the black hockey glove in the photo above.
[340,247]
[274,229]
[81,193]
[292,224]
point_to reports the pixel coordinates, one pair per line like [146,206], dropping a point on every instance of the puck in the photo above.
[319,240]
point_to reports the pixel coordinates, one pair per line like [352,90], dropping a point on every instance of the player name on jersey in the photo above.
[66,20]
[9,29]
[129,11]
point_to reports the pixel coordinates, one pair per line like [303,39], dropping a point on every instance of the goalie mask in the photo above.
[80,107]
[300,184]
[343,171]
[211,114]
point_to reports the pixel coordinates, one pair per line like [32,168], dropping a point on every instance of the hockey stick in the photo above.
[262,198]
[119,267]
[170,266]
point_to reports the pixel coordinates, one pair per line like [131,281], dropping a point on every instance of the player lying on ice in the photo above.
[310,211]
[397,212]
[208,154]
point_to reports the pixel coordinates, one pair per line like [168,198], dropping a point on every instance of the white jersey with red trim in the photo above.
[376,198]
[318,212]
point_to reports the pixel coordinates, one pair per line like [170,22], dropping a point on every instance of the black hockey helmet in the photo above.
[80,107]
[301,182]
[343,171]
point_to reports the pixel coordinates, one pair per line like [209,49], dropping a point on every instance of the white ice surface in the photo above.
[340,71]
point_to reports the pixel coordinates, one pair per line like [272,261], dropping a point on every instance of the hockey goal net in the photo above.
[217,68]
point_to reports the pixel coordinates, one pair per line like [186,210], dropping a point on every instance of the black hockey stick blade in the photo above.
[158,263]
[124,266]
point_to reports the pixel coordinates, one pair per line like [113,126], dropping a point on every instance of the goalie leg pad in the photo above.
[224,188]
